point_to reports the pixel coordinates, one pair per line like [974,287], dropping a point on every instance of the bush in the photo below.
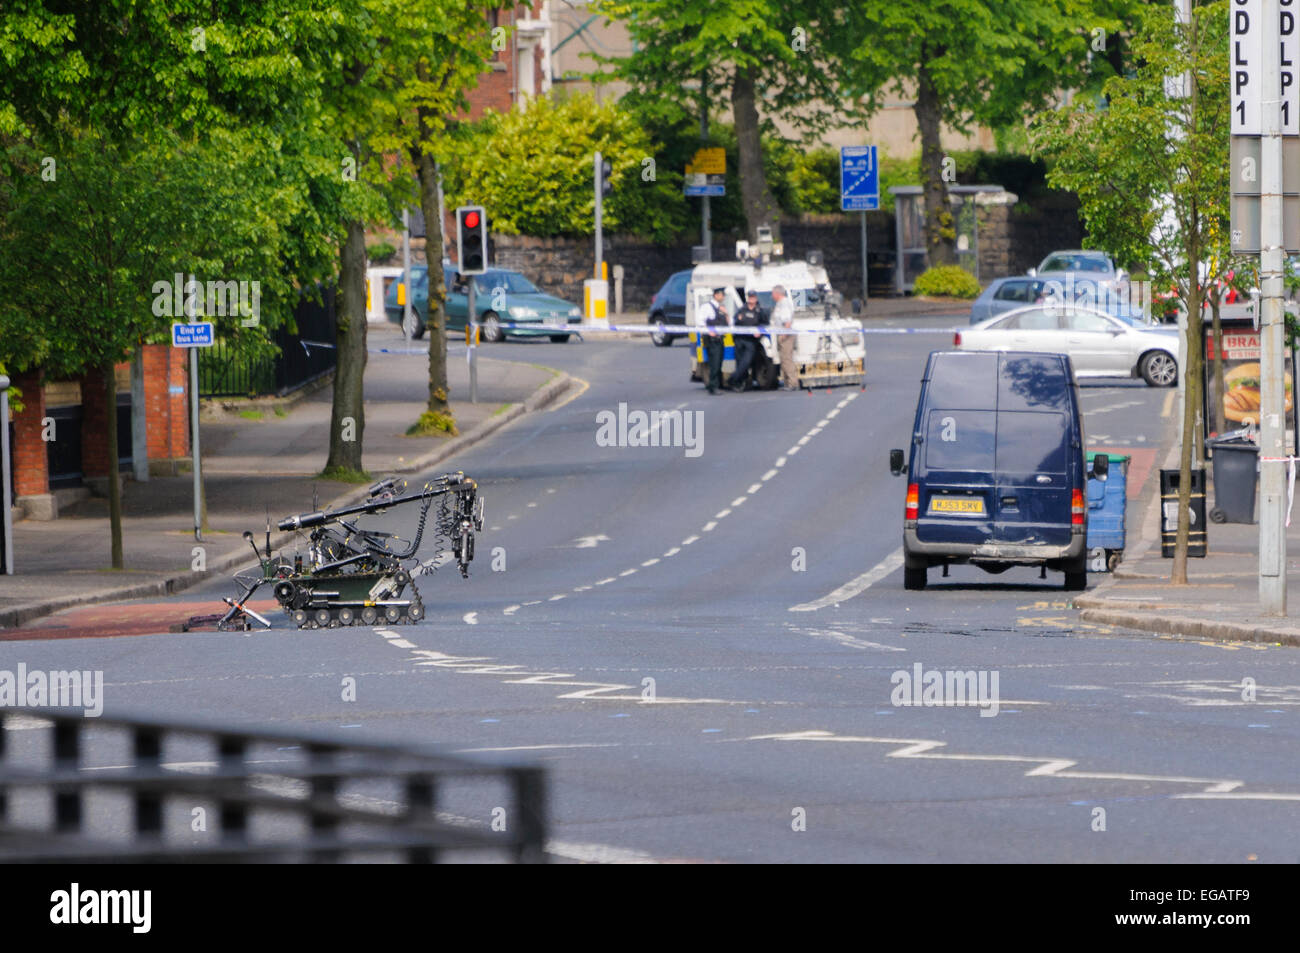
[380,252]
[948,281]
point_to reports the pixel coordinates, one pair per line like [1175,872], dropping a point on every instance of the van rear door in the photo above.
[1037,438]
[956,452]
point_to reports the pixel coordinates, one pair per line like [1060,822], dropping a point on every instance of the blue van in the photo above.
[997,474]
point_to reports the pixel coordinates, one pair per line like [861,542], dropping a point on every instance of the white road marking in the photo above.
[533,602]
[737,501]
[604,744]
[673,552]
[754,488]
[649,562]
[834,412]
[722,515]
[768,475]
[601,582]
[598,853]
[590,542]
[531,505]
[709,526]
[627,572]
[470,618]
[689,539]
[780,462]
[557,598]
[802,440]
[848,640]
[793,450]
[581,588]
[1046,767]
[854,586]
[511,610]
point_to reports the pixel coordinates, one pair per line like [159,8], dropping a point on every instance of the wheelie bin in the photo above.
[1107,501]
[1236,463]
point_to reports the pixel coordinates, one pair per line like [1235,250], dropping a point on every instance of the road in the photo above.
[753,589]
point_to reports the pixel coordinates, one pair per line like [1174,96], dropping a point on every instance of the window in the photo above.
[1013,291]
[1030,321]
[1087,321]
[1033,382]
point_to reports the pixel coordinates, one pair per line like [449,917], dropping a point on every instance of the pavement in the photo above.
[1221,598]
[260,461]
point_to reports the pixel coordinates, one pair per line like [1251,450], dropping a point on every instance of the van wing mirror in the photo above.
[896,462]
[1100,466]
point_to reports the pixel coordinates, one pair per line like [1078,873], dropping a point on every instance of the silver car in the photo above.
[1098,344]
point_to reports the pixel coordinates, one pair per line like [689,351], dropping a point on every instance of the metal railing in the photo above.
[274,796]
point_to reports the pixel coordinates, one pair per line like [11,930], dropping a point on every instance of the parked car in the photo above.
[500,297]
[668,306]
[996,476]
[1006,294]
[1098,344]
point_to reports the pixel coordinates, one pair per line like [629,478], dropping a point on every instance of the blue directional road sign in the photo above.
[198,334]
[859,179]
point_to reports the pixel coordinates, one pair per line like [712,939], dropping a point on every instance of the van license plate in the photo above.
[954,504]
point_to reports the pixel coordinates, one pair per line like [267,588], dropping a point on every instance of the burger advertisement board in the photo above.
[1241,385]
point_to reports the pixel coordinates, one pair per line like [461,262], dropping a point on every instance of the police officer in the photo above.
[717,321]
[747,346]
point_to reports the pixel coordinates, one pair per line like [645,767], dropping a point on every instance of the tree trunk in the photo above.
[1194,360]
[940,233]
[1218,420]
[347,418]
[439,391]
[114,488]
[755,196]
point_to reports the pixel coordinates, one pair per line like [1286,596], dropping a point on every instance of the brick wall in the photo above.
[30,462]
[168,432]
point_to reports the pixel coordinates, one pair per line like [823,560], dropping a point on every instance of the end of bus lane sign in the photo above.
[197,334]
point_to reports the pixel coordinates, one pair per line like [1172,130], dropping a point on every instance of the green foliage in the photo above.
[1150,173]
[431,423]
[380,251]
[947,281]
[533,169]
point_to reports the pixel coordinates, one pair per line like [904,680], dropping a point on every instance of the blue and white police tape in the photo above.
[695,329]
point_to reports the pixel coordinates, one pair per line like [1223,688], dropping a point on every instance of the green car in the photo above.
[500,297]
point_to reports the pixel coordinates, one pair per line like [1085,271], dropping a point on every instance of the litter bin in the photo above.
[1236,463]
[1196,542]
[1107,500]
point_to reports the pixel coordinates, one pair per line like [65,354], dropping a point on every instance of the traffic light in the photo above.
[605,171]
[471,239]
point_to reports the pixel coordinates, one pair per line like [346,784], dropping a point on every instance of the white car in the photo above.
[1098,345]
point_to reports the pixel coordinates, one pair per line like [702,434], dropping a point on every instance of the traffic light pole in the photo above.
[473,341]
[1272,417]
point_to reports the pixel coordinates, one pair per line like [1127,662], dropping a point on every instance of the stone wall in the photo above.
[1012,239]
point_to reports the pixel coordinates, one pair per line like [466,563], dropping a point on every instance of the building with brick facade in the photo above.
[60,438]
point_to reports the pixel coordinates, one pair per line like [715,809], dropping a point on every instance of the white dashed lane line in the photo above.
[712,524]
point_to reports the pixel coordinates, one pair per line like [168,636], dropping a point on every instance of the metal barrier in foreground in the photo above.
[96,790]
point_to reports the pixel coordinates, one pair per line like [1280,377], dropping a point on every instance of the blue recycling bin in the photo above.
[1107,501]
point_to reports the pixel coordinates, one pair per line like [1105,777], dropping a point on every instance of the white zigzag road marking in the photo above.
[596,691]
[1046,767]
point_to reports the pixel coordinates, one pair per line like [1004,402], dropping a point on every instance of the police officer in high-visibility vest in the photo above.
[718,323]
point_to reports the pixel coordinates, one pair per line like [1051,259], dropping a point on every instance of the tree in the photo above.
[116,76]
[1149,168]
[533,167]
[762,55]
[963,62]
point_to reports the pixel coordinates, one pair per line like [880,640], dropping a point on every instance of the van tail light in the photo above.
[1076,508]
[956,339]
[913,501]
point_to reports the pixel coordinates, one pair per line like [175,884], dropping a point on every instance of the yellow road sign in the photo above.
[711,161]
